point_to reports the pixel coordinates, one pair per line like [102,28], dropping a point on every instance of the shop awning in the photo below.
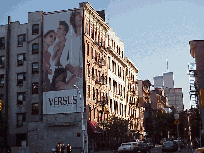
[92,127]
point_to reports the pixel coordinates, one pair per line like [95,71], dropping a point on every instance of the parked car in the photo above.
[142,148]
[151,145]
[169,146]
[129,146]
[162,141]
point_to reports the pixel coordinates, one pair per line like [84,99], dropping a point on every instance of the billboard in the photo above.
[62,62]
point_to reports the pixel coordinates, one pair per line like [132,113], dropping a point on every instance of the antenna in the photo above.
[167,65]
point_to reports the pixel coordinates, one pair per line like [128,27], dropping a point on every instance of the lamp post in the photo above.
[82,117]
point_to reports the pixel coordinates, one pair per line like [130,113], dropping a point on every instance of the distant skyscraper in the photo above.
[158,81]
[174,95]
[168,79]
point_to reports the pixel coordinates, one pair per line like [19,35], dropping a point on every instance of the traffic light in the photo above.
[201,96]
[1,105]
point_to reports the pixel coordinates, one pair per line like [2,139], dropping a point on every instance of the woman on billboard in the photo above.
[48,39]
[76,22]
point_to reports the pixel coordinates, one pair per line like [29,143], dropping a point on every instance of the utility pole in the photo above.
[177,122]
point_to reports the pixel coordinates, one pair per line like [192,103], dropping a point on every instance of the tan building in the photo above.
[158,100]
[144,101]
[132,99]
[197,52]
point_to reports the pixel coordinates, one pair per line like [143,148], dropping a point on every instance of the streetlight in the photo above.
[82,116]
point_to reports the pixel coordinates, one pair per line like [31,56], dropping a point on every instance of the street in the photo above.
[157,149]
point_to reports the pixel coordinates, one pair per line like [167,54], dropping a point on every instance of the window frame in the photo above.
[2,63]
[23,40]
[36,110]
[2,77]
[35,83]
[24,59]
[24,78]
[24,98]
[23,119]
[35,51]
[2,45]
[35,31]
[35,70]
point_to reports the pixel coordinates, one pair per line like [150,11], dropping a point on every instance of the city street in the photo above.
[157,149]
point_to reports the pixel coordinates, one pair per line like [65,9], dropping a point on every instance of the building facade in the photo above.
[197,84]
[63,74]
[175,98]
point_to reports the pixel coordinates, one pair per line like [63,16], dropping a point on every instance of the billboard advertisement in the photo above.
[62,62]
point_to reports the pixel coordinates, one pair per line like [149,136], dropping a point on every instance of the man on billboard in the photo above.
[48,40]
[60,73]
[59,81]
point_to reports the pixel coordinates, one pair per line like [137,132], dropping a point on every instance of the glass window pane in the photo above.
[20,57]
[35,46]
[35,65]
[20,76]
[20,97]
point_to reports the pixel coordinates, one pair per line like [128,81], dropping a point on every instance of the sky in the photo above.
[151,30]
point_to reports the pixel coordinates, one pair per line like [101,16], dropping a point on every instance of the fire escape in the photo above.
[193,88]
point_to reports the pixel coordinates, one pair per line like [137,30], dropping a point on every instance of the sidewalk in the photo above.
[105,152]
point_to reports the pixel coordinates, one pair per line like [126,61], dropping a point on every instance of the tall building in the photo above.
[158,81]
[168,80]
[165,81]
[62,75]
[174,95]
[175,98]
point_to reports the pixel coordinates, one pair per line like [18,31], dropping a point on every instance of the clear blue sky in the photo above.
[150,30]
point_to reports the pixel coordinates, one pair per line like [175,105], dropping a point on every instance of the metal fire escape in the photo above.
[193,91]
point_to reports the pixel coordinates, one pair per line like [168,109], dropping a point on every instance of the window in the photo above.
[35,88]
[2,61]
[21,39]
[94,94]
[108,40]
[35,48]
[35,68]
[95,56]
[87,49]
[20,138]
[21,59]
[20,98]
[35,29]
[92,35]
[109,63]
[21,117]
[86,29]
[2,43]
[35,109]
[20,78]
[1,80]
[92,53]
[110,83]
